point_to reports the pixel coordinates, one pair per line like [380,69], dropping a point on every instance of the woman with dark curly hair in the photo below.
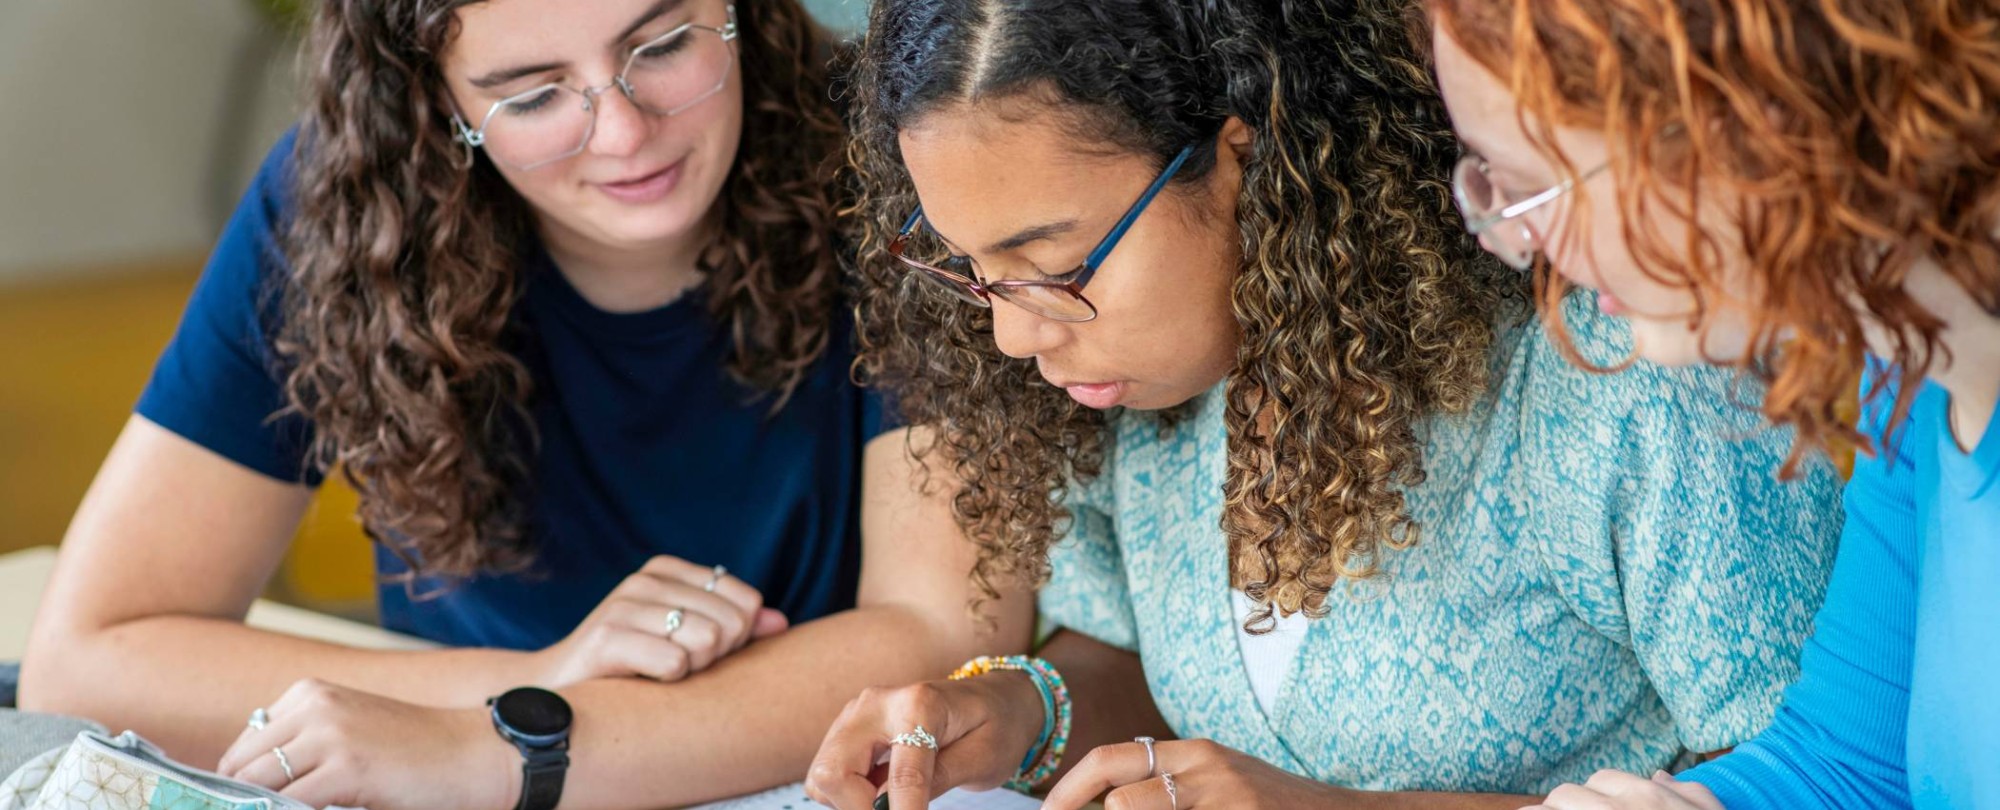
[557,287]
[1809,193]
[1180,287]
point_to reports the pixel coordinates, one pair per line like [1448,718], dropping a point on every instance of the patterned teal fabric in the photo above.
[1609,577]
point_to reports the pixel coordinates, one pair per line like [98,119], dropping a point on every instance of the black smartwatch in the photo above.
[537,722]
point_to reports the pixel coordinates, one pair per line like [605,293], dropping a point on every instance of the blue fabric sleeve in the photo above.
[217,384]
[1693,556]
[878,414]
[1721,565]
[1087,591]
[1838,740]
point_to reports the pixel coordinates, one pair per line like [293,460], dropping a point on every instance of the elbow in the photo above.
[1001,628]
[56,676]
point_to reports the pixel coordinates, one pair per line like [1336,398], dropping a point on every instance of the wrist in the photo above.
[523,669]
[1021,710]
[491,765]
[1045,758]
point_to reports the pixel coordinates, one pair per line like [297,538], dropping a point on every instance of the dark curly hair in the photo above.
[1863,134]
[1362,303]
[405,268]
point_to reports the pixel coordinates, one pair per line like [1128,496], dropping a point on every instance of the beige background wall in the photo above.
[110,112]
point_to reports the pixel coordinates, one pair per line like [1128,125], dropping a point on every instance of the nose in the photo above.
[621,126]
[1021,334]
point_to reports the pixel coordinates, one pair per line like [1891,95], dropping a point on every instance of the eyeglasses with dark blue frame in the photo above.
[1056,300]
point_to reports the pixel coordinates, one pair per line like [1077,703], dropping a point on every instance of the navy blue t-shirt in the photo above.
[647,446]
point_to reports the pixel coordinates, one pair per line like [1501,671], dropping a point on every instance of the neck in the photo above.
[1968,364]
[618,278]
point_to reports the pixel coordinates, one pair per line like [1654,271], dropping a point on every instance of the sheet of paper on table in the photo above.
[793,797]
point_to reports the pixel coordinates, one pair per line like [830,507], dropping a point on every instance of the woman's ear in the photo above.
[1233,146]
[1234,143]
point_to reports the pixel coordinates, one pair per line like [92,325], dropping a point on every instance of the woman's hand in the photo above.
[355,749]
[1205,776]
[1616,790]
[628,634]
[983,725]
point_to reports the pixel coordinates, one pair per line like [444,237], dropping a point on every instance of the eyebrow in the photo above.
[500,77]
[1035,234]
[658,10]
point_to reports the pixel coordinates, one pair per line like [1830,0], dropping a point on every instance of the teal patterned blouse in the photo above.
[1609,577]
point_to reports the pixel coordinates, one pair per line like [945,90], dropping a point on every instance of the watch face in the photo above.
[533,712]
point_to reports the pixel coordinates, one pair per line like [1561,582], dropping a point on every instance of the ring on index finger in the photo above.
[918,738]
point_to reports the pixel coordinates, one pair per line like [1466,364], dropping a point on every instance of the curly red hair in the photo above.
[1864,134]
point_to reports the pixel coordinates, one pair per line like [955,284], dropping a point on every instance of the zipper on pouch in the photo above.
[144,755]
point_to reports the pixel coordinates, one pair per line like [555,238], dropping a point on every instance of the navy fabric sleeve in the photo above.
[217,384]
[878,414]
[1838,740]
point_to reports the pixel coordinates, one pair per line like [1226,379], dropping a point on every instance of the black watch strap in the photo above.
[542,780]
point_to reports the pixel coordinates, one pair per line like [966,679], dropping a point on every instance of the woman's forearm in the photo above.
[188,683]
[756,719]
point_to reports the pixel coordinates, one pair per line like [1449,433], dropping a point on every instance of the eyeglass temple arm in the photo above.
[910,224]
[1547,194]
[1132,215]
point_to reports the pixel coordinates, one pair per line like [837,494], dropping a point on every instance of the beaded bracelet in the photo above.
[983,665]
[1046,756]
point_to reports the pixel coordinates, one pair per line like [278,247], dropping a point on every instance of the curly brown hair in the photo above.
[405,267]
[1859,136]
[1363,306]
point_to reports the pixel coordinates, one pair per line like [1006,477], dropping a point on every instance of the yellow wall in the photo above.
[74,355]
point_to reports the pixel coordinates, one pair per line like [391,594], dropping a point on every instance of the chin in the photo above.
[1155,400]
[1673,344]
[645,226]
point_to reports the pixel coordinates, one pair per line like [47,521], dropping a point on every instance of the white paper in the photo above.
[793,797]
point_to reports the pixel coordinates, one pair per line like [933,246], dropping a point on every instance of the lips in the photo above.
[1609,304]
[645,188]
[1096,395]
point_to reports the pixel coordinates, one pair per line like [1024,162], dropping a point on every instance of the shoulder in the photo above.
[247,268]
[1584,388]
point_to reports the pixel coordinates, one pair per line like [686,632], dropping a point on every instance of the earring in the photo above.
[465,137]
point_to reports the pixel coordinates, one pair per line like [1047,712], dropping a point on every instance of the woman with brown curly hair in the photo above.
[1180,288]
[1809,193]
[556,286]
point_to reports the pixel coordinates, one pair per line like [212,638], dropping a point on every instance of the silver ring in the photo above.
[714,577]
[1152,762]
[259,719]
[916,739]
[283,761]
[1173,790]
[675,618]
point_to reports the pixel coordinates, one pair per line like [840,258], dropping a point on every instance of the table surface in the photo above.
[25,574]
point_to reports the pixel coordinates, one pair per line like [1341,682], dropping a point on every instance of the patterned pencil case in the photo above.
[99,772]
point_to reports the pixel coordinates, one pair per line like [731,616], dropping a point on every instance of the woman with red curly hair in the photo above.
[1809,192]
